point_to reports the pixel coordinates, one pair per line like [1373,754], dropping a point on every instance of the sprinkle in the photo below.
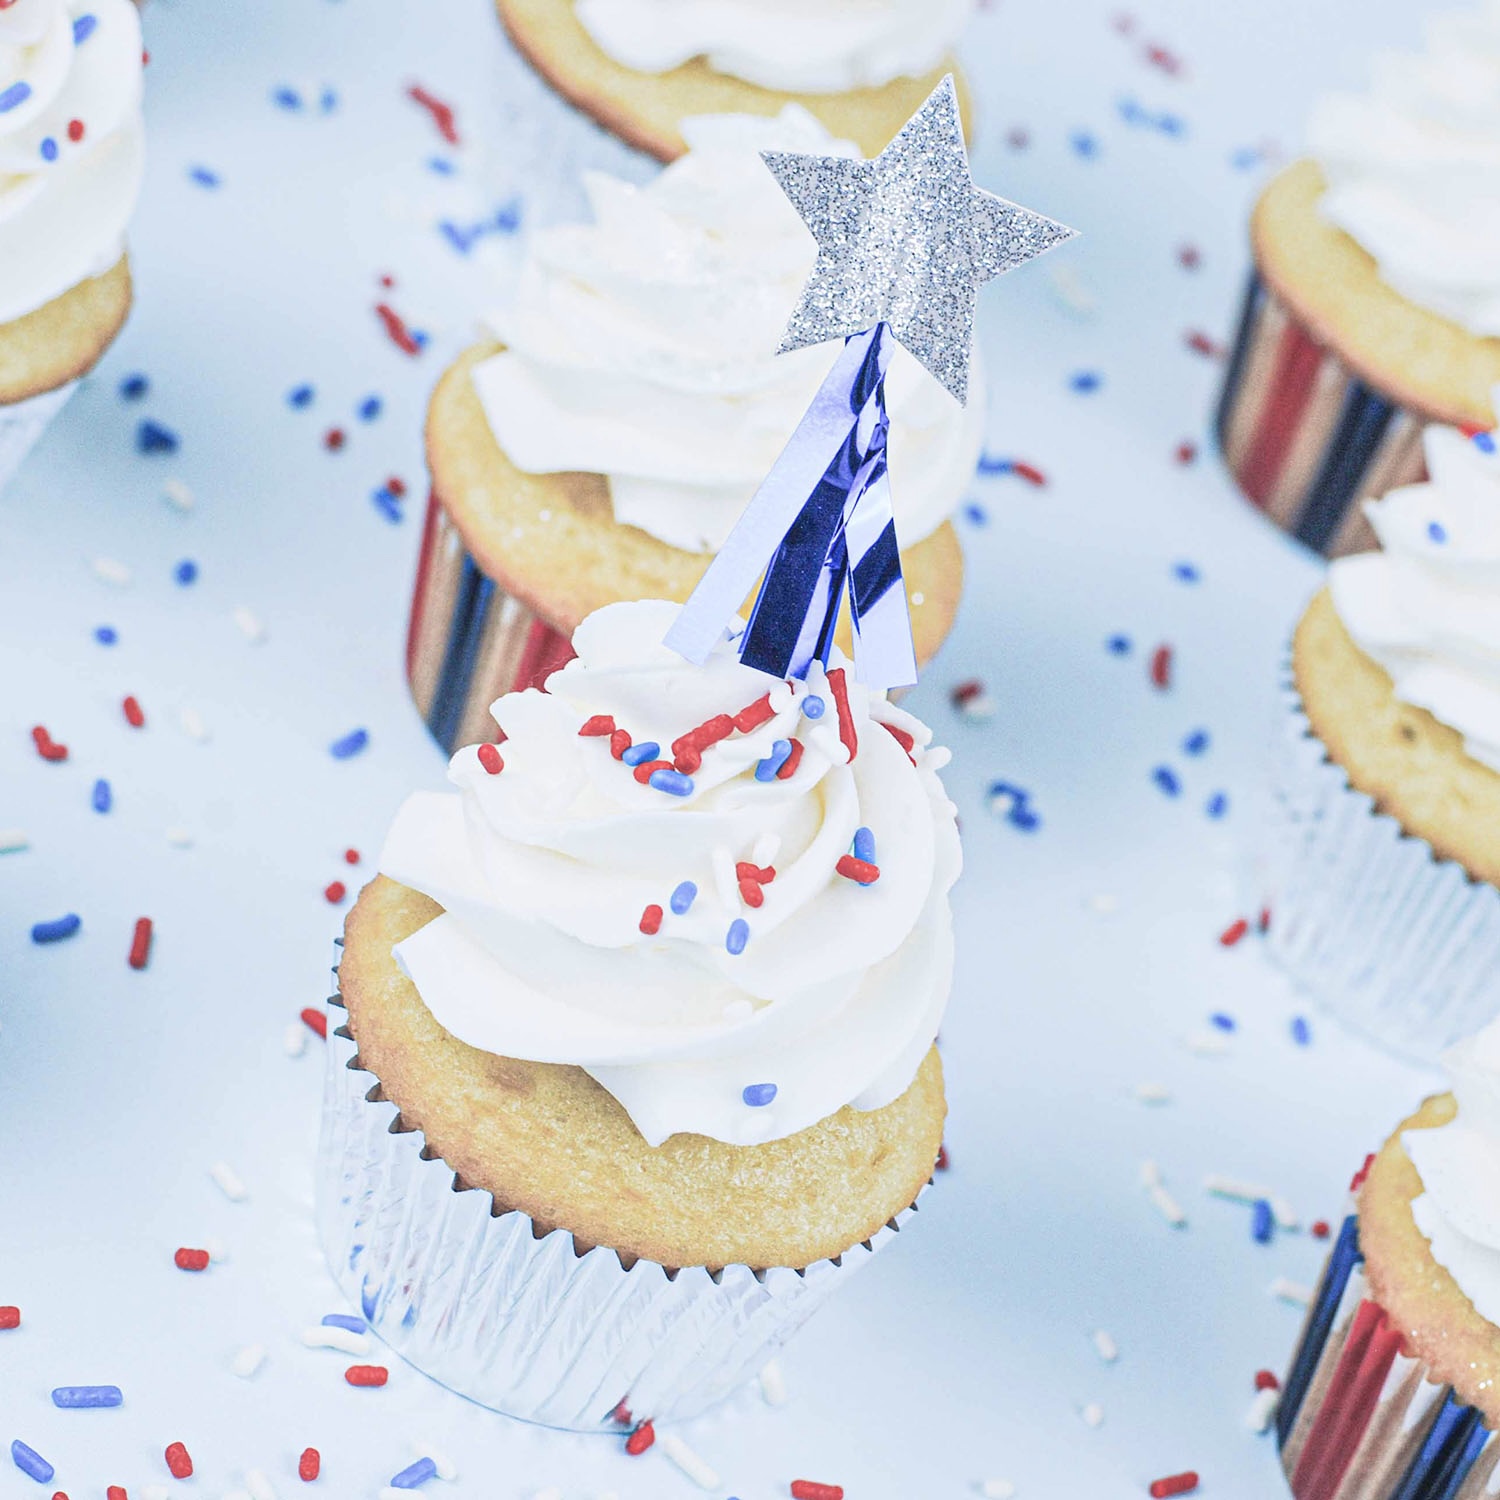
[55,931]
[773,1384]
[490,758]
[673,782]
[752,893]
[683,897]
[133,387]
[29,1461]
[619,743]
[415,1474]
[87,1397]
[1301,1031]
[248,1361]
[1265,1380]
[638,754]
[259,1486]
[861,871]
[17,93]
[1161,667]
[1223,1021]
[106,635]
[641,1439]
[386,504]
[1166,778]
[367,1375]
[309,1464]
[179,838]
[351,856]
[369,408]
[769,768]
[140,944]
[996,1489]
[943,1161]
[810,1489]
[10,1317]
[1118,645]
[396,330]
[1285,1290]
[191,1260]
[650,922]
[192,724]
[252,628]
[839,687]
[1284,1214]
[758,1095]
[134,715]
[109,570]
[754,715]
[813,707]
[864,845]
[1234,1189]
[350,744]
[315,1020]
[229,1182]
[1484,441]
[1196,743]
[1093,1414]
[1153,1093]
[334,439]
[115,1492]
[1217,805]
[204,176]
[442,114]
[902,737]
[1166,1205]
[694,1467]
[344,1320]
[1263,1409]
[334,892]
[294,1039]
[102,798]
[1185,452]
[46,746]
[1085,382]
[1207,1043]
[153,437]
[1174,1484]
[1262,1223]
[600,724]
[737,936]
[299,396]
[687,749]
[1234,933]
[345,1340]
[1105,1346]
[179,1461]
[971,700]
[789,766]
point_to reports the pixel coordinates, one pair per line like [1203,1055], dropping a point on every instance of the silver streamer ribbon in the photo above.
[823,518]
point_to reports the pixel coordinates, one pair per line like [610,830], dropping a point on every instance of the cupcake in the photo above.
[1387,801]
[71,154]
[636,1056]
[642,68]
[1394,1390]
[603,444]
[1374,305]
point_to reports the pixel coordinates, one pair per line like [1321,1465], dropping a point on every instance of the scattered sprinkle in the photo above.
[140,943]
[737,936]
[1262,1222]
[334,892]
[344,1340]
[1153,1093]
[813,707]
[1118,645]
[758,1095]
[1166,778]
[300,396]
[491,759]
[1301,1031]
[773,1384]
[1105,1346]
[1223,1021]
[1217,805]
[367,1375]
[442,114]
[1174,1484]
[350,744]
[179,1461]
[1263,1409]
[1234,1188]
[1285,1290]
[135,715]
[10,1317]
[101,797]
[109,570]
[315,1020]
[153,437]
[204,177]
[87,1397]
[1085,382]
[683,898]
[133,387]
[106,635]
[640,1440]
[193,725]
[29,1461]
[1196,743]
[651,919]
[229,1182]
[46,746]
[56,930]
[1092,1414]
[250,625]
[1161,668]
[246,1364]
[694,1467]
[191,1260]
[415,1475]
[13,841]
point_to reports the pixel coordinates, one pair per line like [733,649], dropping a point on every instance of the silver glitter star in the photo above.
[907,239]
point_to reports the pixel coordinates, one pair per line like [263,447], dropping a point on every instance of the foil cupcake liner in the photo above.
[469,642]
[23,422]
[524,1322]
[1306,439]
[1393,941]
[1359,1418]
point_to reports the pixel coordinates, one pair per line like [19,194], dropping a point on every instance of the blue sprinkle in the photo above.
[369,408]
[1217,805]
[1131,112]
[414,1475]
[299,396]
[683,897]
[55,932]
[813,707]
[29,1461]
[1222,1021]
[388,505]
[1085,382]
[1084,144]
[975,514]
[737,936]
[1261,1221]
[441,165]
[418,337]
[988,464]
[103,798]
[758,1095]
[133,387]
[1119,645]
[674,783]
[328,101]
[152,437]
[344,1320]
[351,744]
[17,93]
[186,571]
[1186,572]
[49,148]
[286,98]
[864,846]
[1437,532]
[83,29]
[1301,1031]
[1245,158]
[106,635]
[1196,743]
[204,177]
[85,1397]
[638,755]
[766,770]
[1166,778]
[1485,442]
[1023,818]
[1171,124]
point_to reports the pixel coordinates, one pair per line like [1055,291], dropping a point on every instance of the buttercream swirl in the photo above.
[831,991]
[71,150]
[809,46]
[1413,168]
[643,347]
[1426,607]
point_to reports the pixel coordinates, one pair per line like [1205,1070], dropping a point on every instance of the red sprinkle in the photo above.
[641,1439]
[442,114]
[351,856]
[134,716]
[752,893]
[1174,1484]
[790,764]
[371,1375]
[860,870]
[651,920]
[1233,933]
[396,329]
[619,743]
[315,1020]
[10,1317]
[191,1260]
[489,758]
[1358,1180]
[396,485]
[1168,62]
[810,1489]
[1161,667]
[648,768]
[1186,452]
[599,724]
[179,1461]
[942,1163]
[840,690]
[1189,257]
[1263,922]
[764,874]
[961,693]
[46,746]
[334,892]
[75,133]
[902,738]
[1266,1381]
[310,1465]
[621,1414]
[333,439]
[1320,1229]
[688,748]
[140,943]
[754,715]
[1029,472]
[1200,343]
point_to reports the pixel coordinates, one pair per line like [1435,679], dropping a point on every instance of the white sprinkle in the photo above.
[192,723]
[345,1340]
[248,1361]
[1262,1410]
[1286,1290]
[1235,1188]
[1108,1350]
[1153,1093]
[1093,1414]
[1284,1214]
[725,884]
[249,622]
[979,708]
[1168,1207]
[179,838]
[294,1039]
[1104,903]
[688,1461]
[259,1486]
[229,1182]
[177,495]
[446,1468]
[996,1489]
[1207,1043]
[217,1249]
[108,570]
[1150,1174]
[13,840]
[1069,289]
[773,1384]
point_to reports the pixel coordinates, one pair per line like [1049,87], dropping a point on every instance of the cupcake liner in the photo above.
[1395,942]
[468,641]
[23,422]
[1360,1419]
[523,1321]
[1304,436]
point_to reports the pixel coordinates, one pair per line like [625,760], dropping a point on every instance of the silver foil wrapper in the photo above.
[23,422]
[525,1323]
[1396,943]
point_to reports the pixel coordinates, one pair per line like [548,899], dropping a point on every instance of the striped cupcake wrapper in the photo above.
[1305,438]
[468,641]
[1360,1420]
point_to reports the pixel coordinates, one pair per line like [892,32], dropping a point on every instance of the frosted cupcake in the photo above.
[1392,1392]
[71,154]
[637,1064]
[604,444]
[1388,802]
[643,67]
[1374,307]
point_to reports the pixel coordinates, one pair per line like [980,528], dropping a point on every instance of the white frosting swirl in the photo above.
[1413,168]
[1427,606]
[806,46]
[642,347]
[1459,1164]
[545,869]
[68,68]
